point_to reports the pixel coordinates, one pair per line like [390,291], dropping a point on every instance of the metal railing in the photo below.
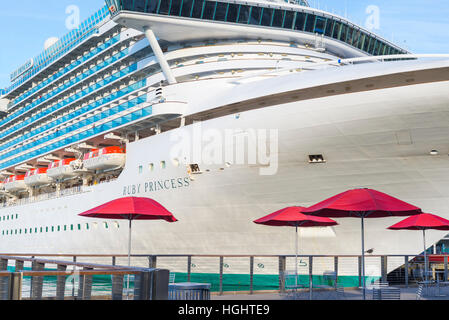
[250,274]
[38,279]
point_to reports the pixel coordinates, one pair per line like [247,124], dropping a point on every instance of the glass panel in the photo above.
[356,38]
[139,5]
[344,31]
[371,45]
[186,8]
[300,20]
[197,8]
[175,7]
[349,35]
[288,20]
[255,15]
[164,6]
[336,32]
[209,10]
[278,18]
[128,4]
[310,22]
[220,12]
[366,40]
[232,12]
[320,24]
[329,27]
[243,14]
[266,16]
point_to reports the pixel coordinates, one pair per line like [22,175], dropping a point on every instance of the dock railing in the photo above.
[236,273]
[31,278]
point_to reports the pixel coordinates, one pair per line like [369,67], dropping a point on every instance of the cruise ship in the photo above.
[223,111]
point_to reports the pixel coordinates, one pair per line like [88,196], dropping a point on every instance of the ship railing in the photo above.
[344,62]
[23,278]
[252,274]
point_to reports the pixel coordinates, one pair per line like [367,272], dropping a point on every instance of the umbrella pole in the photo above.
[363,258]
[296,257]
[129,258]
[425,254]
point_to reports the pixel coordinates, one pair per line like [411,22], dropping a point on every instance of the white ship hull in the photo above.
[379,139]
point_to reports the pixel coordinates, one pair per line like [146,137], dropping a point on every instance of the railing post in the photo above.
[113,260]
[383,268]
[406,268]
[336,271]
[19,265]
[152,262]
[310,277]
[117,286]
[189,267]
[15,288]
[282,268]
[37,281]
[4,281]
[251,274]
[60,283]
[221,275]
[85,286]
[360,270]
[445,268]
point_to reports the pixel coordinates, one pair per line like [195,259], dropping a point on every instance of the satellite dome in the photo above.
[49,42]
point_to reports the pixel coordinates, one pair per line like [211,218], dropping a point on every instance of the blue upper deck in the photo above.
[62,46]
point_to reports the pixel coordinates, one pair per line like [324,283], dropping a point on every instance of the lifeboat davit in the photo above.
[37,177]
[15,183]
[61,170]
[104,159]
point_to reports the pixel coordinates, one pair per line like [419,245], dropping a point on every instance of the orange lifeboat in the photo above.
[105,159]
[61,170]
[15,183]
[37,177]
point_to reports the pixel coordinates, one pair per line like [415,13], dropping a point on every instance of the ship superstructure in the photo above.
[96,116]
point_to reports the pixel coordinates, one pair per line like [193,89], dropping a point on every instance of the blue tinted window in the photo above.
[152,6]
[209,10]
[278,18]
[128,4]
[220,11]
[197,8]
[139,5]
[329,27]
[175,7]
[164,6]
[255,15]
[288,20]
[266,16]
[320,25]
[232,12]
[243,14]
[300,20]
[310,23]
[186,8]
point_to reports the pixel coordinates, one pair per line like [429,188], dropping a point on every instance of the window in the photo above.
[288,20]
[151,166]
[164,6]
[128,4]
[152,6]
[209,10]
[220,11]
[105,224]
[349,35]
[255,15]
[140,169]
[175,7]
[266,16]
[344,31]
[232,12]
[71,227]
[243,14]
[163,165]
[320,25]
[278,18]
[300,20]
[329,27]
[310,23]
[79,226]
[186,8]
[336,32]
[139,5]
[197,8]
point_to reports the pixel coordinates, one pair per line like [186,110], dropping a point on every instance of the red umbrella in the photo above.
[131,208]
[423,221]
[362,203]
[292,217]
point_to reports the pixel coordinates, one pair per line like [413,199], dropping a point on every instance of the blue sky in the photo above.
[419,26]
